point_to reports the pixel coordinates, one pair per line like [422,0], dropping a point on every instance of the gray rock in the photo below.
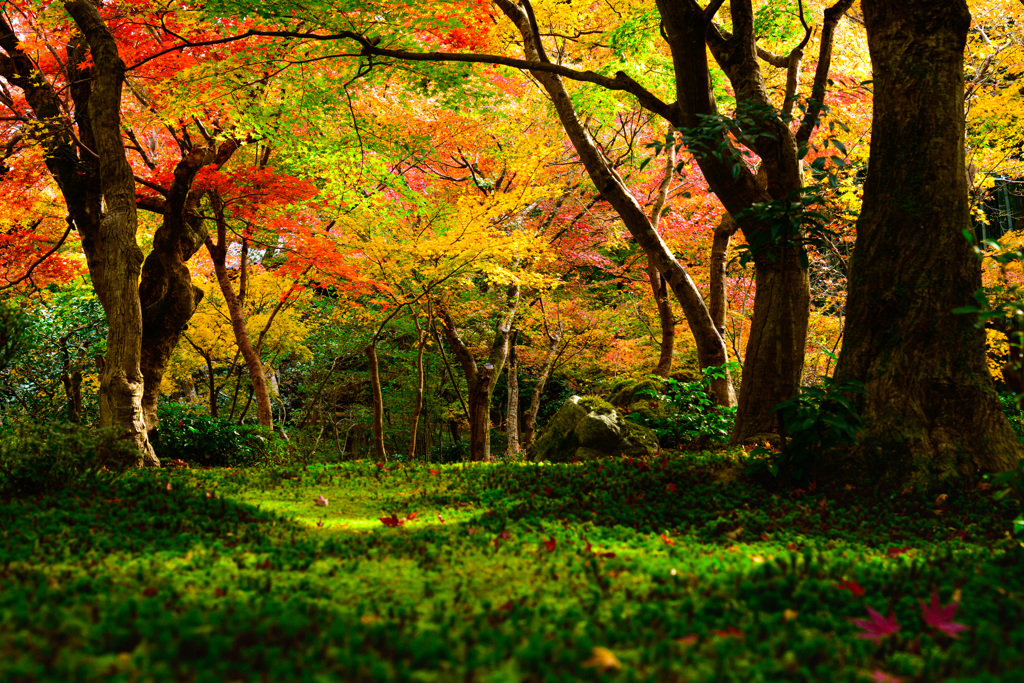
[588,427]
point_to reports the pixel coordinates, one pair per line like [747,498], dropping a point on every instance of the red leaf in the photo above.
[941,618]
[550,544]
[440,518]
[411,516]
[667,539]
[433,471]
[503,536]
[150,592]
[392,521]
[731,632]
[506,607]
[896,552]
[851,586]
[876,627]
[609,555]
[588,548]
[219,592]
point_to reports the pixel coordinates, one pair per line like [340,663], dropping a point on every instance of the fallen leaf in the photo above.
[880,676]
[941,618]
[550,544]
[392,521]
[440,518]
[876,627]
[602,659]
[687,640]
[667,539]
[730,632]
[321,501]
[433,471]
[851,586]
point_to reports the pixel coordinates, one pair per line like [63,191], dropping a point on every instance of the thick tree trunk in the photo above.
[781,301]
[121,383]
[379,454]
[166,292]
[930,402]
[512,409]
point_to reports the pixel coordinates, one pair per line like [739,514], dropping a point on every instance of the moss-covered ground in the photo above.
[672,569]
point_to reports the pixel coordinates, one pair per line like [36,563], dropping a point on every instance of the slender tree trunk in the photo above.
[930,402]
[417,407]
[512,411]
[718,303]
[530,415]
[121,383]
[378,403]
[659,286]
[218,255]
[711,349]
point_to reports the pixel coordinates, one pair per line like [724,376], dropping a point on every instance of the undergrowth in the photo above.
[672,569]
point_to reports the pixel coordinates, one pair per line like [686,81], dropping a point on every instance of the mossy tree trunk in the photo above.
[930,401]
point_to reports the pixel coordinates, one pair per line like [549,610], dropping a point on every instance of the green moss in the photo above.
[596,404]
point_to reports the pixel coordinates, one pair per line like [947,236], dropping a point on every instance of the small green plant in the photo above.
[684,413]
[51,456]
[815,422]
[199,439]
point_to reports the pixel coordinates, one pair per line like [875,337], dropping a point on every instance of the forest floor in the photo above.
[674,569]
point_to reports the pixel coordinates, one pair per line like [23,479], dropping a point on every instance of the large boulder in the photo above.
[588,427]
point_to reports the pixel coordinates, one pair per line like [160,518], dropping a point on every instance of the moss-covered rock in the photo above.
[588,427]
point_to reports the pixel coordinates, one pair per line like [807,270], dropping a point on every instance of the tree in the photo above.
[929,397]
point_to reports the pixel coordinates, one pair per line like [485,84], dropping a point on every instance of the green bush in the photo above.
[682,413]
[199,439]
[51,456]
[457,451]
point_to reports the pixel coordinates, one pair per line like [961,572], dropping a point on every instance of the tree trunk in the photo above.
[417,407]
[718,303]
[711,351]
[930,402]
[378,403]
[121,383]
[530,415]
[668,322]
[218,255]
[512,409]
[782,297]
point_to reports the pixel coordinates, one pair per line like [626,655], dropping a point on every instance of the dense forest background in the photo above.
[393,230]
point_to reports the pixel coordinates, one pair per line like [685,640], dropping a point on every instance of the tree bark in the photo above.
[218,255]
[512,409]
[417,406]
[121,383]
[378,403]
[659,287]
[481,379]
[530,415]
[711,350]
[930,402]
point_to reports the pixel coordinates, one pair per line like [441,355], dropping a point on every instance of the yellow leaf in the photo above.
[603,659]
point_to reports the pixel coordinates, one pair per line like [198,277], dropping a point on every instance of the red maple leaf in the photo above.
[896,552]
[392,521]
[433,471]
[876,627]
[550,544]
[730,632]
[667,539]
[411,516]
[941,618]
[851,586]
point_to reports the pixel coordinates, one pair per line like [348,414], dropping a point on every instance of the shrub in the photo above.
[199,439]
[51,456]
[457,451]
[682,413]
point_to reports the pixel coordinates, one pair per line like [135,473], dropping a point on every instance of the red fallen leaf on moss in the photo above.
[609,555]
[876,627]
[687,640]
[896,552]
[503,536]
[321,501]
[150,592]
[440,518]
[392,521]
[941,618]
[667,539]
[851,586]
[433,471]
[411,516]
[378,465]
[219,592]
[730,632]
[791,546]
[879,676]
[168,487]
[506,607]
[587,548]
[550,544]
